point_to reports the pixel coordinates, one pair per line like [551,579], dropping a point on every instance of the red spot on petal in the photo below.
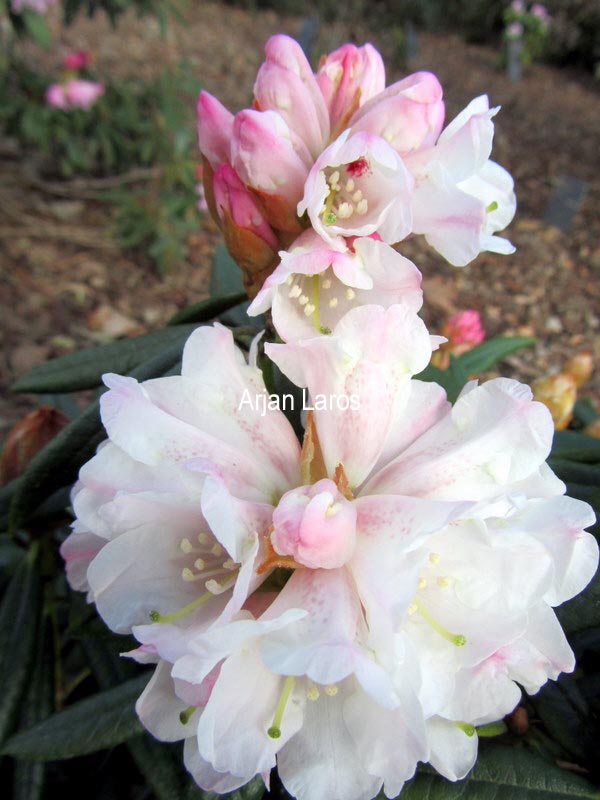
[358,168]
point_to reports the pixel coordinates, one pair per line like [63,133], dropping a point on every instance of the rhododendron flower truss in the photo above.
[339,609]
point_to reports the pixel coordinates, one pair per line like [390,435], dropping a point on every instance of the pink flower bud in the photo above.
[541,12]
[232,198]
[463,331]
[215,129]
[78,59]
[271,160]
[518,6]
[409,114]
[55,96]
[349,77]
[83,94]
[316,525]
[514,30]
[29,435]
[285,83]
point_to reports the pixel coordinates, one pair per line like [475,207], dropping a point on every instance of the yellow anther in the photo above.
[216,550]
[303,300]
[412,608]
[187,574]
[443,582]
[435,558]
[289,280]
[203,538]
[357,196]
[326,284]
[312,693]
[186,545]
[200,564]
[309,309]
[362,206]
[295,291]
[350,294]
[333,302]
[422,583]
[229,564]
[350,185]
[331,691]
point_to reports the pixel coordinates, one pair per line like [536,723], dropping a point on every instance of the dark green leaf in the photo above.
[254,790]
[226,278]
[452,379]
[104,720]
[583,611]
[573,472]
[36,27]
[208,309]
[504,773]
[38,705]
[486,355]
[584,411]
[19,619]
[576,447]
[84,369]
[567,718]
[155,760]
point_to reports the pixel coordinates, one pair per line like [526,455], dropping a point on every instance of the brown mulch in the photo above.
[65,284]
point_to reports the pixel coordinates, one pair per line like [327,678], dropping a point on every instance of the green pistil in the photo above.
[156,617]
[330,218]
[492,729]
[492,207]
[457,639]
[467,729]
[275,730]
[184,716]
[315,302]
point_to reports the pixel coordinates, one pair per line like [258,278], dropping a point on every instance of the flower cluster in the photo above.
[74,91]
[342,155]
[346,606]
[528,25]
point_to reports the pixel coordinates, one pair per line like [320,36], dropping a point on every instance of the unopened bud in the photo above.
[580,367]
[26,438]
[558,393]
[518,721]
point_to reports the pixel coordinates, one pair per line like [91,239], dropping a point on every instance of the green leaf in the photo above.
[38,705]
[36,27]
[254,790]
[584,411]
[567,717]
[583,611]
[452,379]
[504,773]
[19,618]
[576,447]
[208,309]
[104,720]
[226,278]
[58,464]
[574,472]
[84,369]
[486,355]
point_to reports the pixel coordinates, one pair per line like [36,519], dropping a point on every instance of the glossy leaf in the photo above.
[504,773]
[208,309]
[104,720]
[486,355]
[19,619]
[84,369]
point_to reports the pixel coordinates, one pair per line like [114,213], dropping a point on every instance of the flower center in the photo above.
[344,198]
[315,525]
[207,567]
[316,294]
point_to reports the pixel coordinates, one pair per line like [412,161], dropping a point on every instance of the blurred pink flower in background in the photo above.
[77,59]
[514,30]
[55,96]
[74,94]
[541,12]
[40,6]
[518,6]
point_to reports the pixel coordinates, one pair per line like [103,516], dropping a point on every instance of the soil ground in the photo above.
[65,284]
